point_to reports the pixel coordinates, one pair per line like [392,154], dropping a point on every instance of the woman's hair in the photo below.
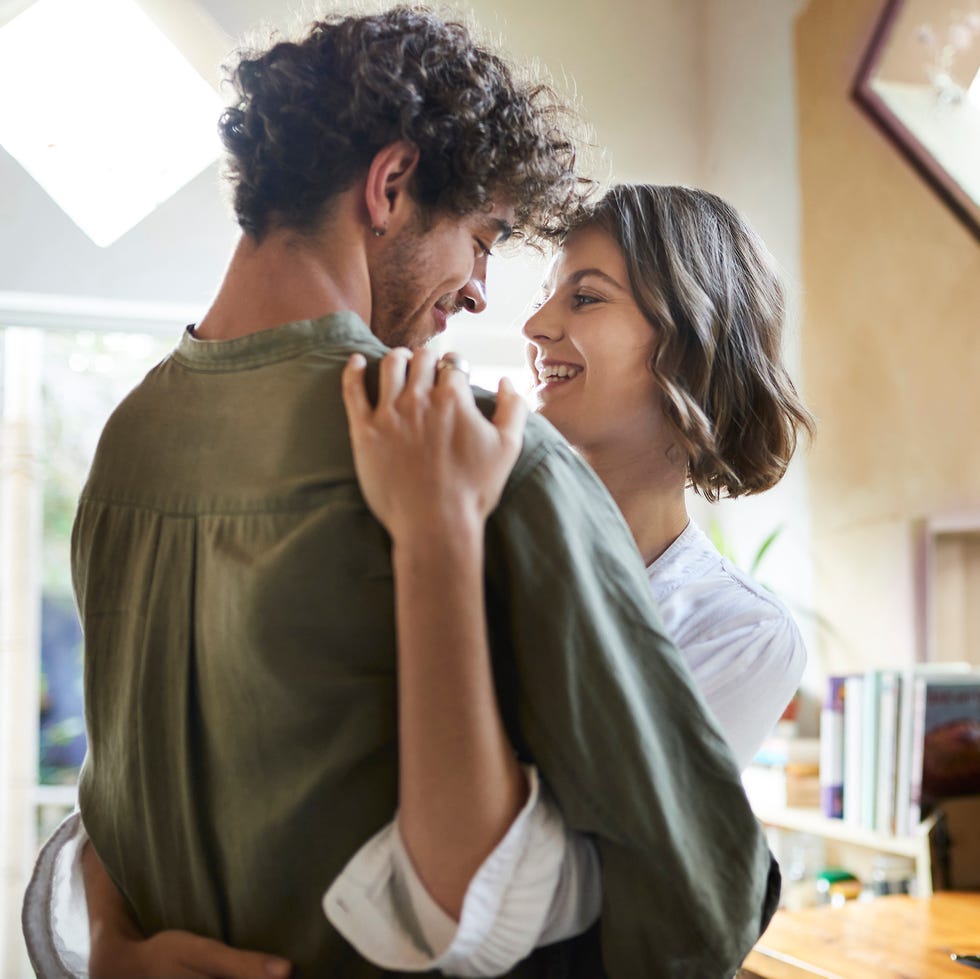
[310,115]
[709,287]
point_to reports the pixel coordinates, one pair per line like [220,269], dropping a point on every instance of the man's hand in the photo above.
[119,950]
[179,955]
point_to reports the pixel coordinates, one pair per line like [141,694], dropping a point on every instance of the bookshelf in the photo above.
[850,837]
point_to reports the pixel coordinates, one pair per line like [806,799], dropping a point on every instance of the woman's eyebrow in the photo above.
[578,276]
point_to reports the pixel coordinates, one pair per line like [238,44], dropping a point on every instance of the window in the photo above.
[57,388]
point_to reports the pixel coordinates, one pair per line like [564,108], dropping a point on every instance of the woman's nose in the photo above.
[543,324]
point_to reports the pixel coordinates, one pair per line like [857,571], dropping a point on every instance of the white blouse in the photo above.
[542,883]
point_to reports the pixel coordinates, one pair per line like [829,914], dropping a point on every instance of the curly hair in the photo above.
[311,114]
[708,285]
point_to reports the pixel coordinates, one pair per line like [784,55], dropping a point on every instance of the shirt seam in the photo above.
[193,514]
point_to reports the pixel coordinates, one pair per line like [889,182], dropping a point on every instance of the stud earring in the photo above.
[378,232]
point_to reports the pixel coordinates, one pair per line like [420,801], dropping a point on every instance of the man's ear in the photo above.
[389,177]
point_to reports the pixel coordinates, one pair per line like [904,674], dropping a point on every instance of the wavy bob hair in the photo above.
[709,288]
[310,115]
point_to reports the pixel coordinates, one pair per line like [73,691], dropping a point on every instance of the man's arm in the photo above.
[607,709]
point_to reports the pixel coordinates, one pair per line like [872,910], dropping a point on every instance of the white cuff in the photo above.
[55,914]
[539,885]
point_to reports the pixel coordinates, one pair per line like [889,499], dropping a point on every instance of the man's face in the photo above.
[430,270]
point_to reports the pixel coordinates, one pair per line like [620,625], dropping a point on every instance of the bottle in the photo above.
[891,874]
[804,858]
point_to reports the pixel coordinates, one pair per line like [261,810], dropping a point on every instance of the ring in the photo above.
[453,362]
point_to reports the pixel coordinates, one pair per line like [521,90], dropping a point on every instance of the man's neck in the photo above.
[281,280]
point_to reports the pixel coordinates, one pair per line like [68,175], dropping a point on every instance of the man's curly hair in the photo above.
[311,115]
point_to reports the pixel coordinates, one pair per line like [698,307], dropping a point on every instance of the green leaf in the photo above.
[764,547]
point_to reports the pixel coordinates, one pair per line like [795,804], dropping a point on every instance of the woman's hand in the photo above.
[425,455]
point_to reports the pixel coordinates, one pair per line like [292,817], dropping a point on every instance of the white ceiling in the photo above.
[632,63]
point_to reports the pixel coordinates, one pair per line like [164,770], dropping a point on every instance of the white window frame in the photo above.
[25,804]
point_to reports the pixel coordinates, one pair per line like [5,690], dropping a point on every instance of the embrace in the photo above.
[384,675]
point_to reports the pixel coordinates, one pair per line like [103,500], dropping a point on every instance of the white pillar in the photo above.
[20,630]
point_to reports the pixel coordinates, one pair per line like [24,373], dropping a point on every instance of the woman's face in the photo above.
[590,347]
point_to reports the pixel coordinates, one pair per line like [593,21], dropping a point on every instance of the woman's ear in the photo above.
[387,188]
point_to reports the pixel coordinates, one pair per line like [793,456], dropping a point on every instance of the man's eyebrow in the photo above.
[503,229]
[578,276]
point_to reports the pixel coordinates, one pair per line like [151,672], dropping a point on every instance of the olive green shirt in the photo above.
[237,601]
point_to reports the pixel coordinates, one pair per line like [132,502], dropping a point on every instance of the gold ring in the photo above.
[453,362]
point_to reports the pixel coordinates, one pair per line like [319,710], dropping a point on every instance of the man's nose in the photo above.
[473,296]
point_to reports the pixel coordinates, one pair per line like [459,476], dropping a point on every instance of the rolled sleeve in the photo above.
[538,885]
[55,914]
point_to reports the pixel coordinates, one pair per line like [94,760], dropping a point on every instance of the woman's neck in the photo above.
[650,494]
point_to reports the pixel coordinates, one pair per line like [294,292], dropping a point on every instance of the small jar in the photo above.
[891,874]
[837,886]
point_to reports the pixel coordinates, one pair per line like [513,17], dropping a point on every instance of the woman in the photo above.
[656,353]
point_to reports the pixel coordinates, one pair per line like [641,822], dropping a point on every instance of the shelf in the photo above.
[814,822]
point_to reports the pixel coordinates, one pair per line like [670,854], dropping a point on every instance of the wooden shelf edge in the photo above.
[813,821]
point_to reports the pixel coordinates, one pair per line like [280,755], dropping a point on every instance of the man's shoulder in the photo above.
[548,463]
[542,444]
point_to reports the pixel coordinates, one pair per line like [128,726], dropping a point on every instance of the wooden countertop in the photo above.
[894,937]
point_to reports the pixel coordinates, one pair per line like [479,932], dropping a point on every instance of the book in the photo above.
[870,692]
[903,779]
[779,752]
[853,747]
[945,757]
[889,689]
[832,749]
[771,787]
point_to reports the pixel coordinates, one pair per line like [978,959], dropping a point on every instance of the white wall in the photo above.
[749,157]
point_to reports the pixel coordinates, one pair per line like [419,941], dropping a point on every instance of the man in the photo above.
[236,594]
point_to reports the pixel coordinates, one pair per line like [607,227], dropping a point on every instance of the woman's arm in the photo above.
[431,469]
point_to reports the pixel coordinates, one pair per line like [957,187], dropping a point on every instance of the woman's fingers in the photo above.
[392,377]
[453,372]
[421,373]
[353,389]
[510,415]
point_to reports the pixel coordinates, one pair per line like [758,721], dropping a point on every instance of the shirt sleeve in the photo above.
[55,915]
[538,885]
[598,697]
[763,665]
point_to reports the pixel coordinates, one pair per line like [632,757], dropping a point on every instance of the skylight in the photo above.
[103,111]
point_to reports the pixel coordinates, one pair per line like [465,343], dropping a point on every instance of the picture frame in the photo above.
[918,82]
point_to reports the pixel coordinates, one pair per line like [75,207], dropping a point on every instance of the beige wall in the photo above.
[891,349]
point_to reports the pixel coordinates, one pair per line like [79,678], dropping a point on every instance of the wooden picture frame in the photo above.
[893,28]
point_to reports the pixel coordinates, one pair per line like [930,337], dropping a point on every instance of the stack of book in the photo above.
[895,742]
[784,772]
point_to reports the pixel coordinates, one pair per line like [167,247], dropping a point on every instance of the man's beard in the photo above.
[396,293]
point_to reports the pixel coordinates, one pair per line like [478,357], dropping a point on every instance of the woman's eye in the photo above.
[580,300]
[483,248]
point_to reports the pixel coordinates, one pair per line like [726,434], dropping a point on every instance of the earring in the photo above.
[378,232]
